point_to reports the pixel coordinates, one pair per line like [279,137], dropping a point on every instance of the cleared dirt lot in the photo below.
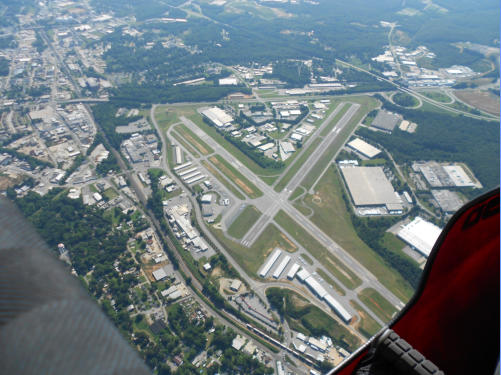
[482,100]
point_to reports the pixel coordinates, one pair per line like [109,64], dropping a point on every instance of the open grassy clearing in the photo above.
[366,106]
[324,256]
[329,280]
[310,319]
[437,96]
[194,140]
[244,222]
[331,215]
[110,193]
[305,154]
[235,176]
[222,180]
[251,259]
[185,144]
[211,131]
[165,117]
[367,326]
[377,303]
[393,243]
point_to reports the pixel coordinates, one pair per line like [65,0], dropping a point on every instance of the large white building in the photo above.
[364,148]
[369,187]
[218,117]
[421,235]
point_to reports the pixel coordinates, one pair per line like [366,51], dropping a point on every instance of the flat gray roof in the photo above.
[369,187]
[386,120]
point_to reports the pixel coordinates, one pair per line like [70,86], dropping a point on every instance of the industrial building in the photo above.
[448,200]
[218,117]
[178,155]
[235,285]
[159,274]
[420,234]
[369,187]
[364,148]
[271,261]
[338,308]
[281,266]
[458,176]
[293,270]
[386,121]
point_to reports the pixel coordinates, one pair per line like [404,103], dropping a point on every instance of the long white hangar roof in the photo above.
[420,234]
[219,117]
[364,148]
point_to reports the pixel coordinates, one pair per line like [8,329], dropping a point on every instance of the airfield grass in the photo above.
[315,248]
[332,217]
[329,280]
[185,144]
[244,222]
[367,326]
[307,258]
[299,190]
[377,303]
[235,176]
[251,259]
[223,180]
[194,140]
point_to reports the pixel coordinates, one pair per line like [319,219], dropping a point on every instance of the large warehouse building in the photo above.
[218,117]
[421,235]
[369,187]
[364,148]
[386,121]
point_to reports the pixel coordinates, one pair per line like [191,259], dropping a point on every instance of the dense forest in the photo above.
[134,95]
[444,137]
[295,73]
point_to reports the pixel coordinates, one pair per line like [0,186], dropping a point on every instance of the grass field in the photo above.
[324,256]
[329,280]
[377,303]
[251,259]
[194,140]
[312,321]
[236,177]
[333,218]
[367,104]
[437,96]
[299,190]
[185,144]
[307,258]
[367,325]
[223,180]
[244,222]
[110,193]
